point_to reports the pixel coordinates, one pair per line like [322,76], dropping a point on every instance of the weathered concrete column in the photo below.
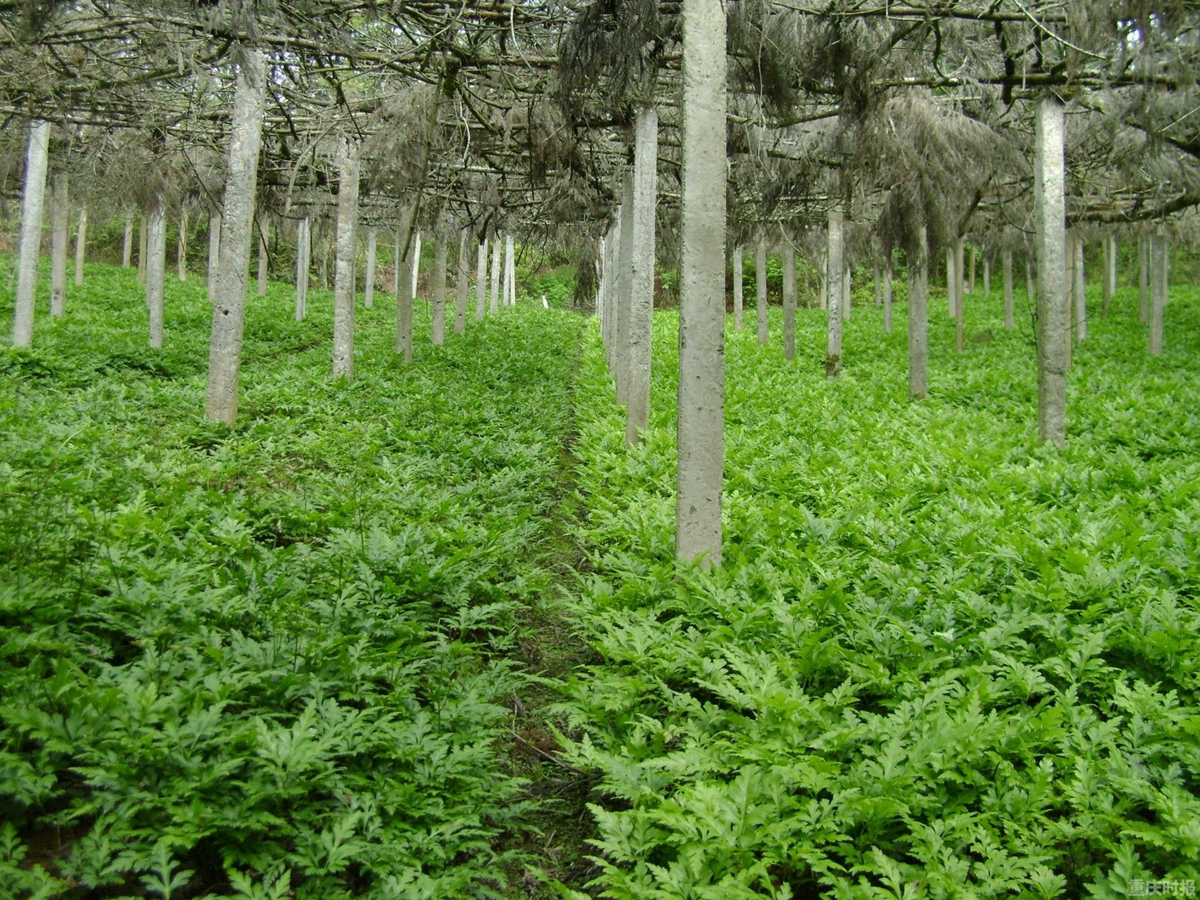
[343,272]
[440,254]
[887,293]
[833,321]
[760,279]
[494,303]
[1159,252]
[33,199]
[1006,274]
[463,283]
[846,293]
[700,467]
[1050,223]
[918,316]
[404,289]
[81,245]
[1070,289]
[60,226]
[181,245]
[1080,293]
[303,257]
[950,279]
[624,292]
[127,244]
[481,255]
[789,297]
[214,253]
[641,294]
[156,269]
[510,272]
[613,283]
[264,229]
[416,264]
[142,248]
[1143,277]
[369,280]
[959,305]
[739,288]
[822,280]
[237,224]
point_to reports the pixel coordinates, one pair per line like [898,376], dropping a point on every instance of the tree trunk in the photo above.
[237,223]
[214,253]
[641,275]
[60,225]
[81,245]
[1030,281]
[463,284]
[700,471]
[876,283]
[142,247]
[971,287]
[1143,277]
[369,280]
[739,288]
[343,270]
[156,269]
[481,255]
[404,287]
[439,288]
[959,294]
[494,300]
[918,316]
[833,322]
[1050,223]
[264,231]
[1006,274]
[33,200]
[887,294]
[127,245]
[760,279]
[303,251]
[987,276]
[789,298]
[181,245]
[1159,246]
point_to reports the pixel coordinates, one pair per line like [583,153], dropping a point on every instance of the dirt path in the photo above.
[550,650]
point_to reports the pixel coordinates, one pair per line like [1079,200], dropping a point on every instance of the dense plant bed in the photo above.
[269,660]
[940,661]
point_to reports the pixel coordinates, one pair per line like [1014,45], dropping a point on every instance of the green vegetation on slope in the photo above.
[273,660]
[940,662]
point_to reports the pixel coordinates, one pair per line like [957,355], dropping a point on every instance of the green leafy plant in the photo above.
[274,660]
[939,660]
